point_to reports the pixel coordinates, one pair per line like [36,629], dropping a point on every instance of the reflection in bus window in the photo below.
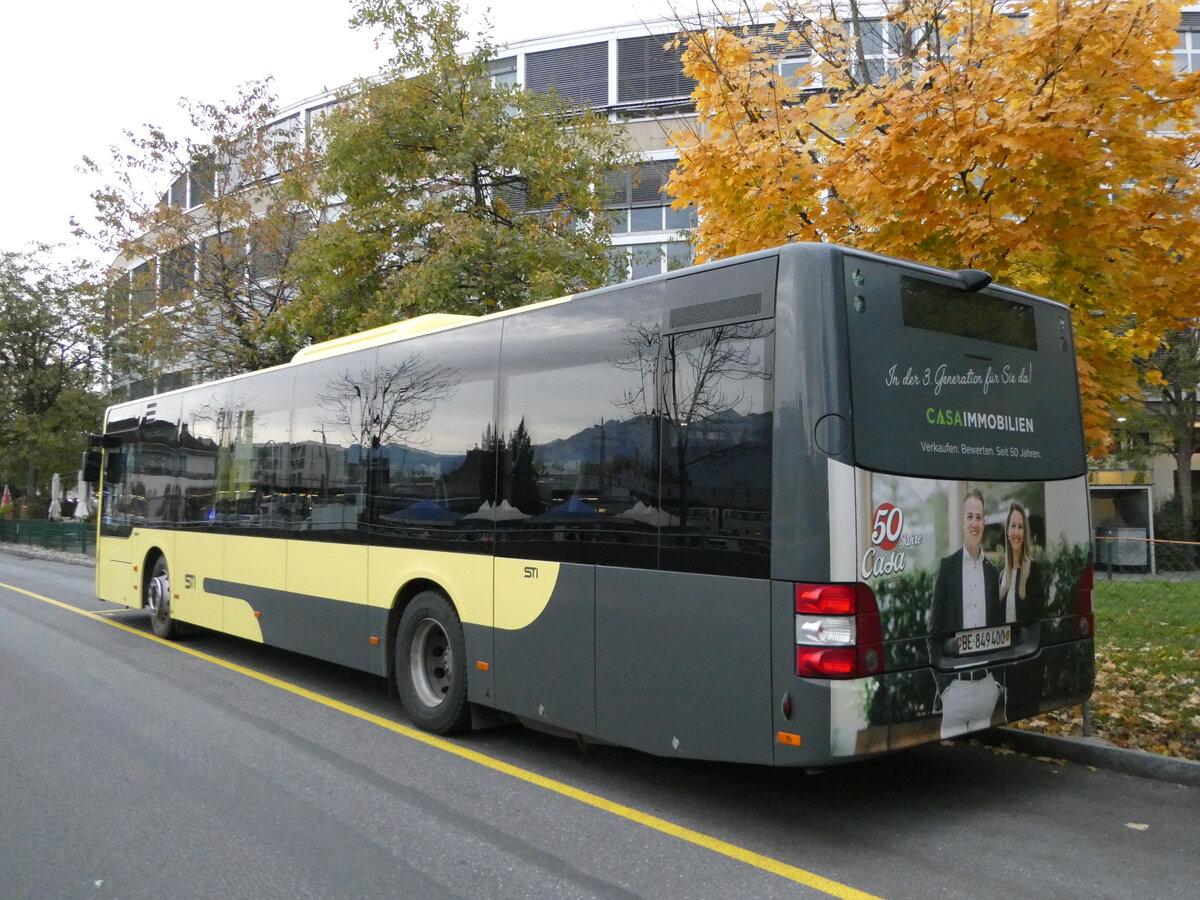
[579,473]
[432,449]
[717,403]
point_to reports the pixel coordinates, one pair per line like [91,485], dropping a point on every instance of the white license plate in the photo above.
[980,640]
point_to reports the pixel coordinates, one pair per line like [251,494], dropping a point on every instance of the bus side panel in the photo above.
[327,612]
[545,670]
[197,565]
[254,561]
[116,580]
[683,664]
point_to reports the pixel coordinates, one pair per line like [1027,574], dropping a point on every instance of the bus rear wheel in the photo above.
[156,597]
[431,672]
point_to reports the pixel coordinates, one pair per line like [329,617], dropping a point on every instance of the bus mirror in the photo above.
[114,468]
[91,466]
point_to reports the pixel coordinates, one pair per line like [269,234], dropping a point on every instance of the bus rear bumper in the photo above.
[903,709]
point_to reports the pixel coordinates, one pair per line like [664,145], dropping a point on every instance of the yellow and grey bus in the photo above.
[790,508]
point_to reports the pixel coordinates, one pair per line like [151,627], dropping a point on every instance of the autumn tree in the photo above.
[206,229]
[49,351]
[460,194]
[1049,142]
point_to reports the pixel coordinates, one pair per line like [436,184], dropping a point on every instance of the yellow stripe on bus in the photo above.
[680,832]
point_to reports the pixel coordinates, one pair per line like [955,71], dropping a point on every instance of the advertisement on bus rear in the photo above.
[953,383]
[976,584]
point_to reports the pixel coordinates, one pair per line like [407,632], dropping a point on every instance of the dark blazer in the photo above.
[947,612]
[1032,605]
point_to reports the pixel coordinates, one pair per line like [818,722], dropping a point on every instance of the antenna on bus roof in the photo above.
[973,280]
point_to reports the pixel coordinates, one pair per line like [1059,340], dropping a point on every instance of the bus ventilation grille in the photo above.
[744,307]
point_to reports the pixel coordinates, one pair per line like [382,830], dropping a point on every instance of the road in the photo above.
[213,767]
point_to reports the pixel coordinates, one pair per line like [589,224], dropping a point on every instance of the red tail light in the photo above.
[828,599]
[838,634]
[1085,620]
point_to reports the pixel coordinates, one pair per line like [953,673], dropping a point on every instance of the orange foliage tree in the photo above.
[1049,142]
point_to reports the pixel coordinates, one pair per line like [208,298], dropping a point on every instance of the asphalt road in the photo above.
[218,768]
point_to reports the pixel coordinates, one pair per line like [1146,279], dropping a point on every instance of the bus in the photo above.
[791,508]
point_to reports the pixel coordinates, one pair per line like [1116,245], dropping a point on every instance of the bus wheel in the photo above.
[157,599]
[431,672]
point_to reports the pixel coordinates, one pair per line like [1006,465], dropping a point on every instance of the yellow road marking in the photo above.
[699,839]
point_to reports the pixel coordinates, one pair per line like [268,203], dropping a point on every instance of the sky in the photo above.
[78,73]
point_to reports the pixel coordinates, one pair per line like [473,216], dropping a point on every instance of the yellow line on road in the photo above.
[716,845]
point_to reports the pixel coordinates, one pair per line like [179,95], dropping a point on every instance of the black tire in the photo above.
[431,664]
[156,597]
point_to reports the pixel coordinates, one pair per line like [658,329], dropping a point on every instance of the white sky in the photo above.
[79,72]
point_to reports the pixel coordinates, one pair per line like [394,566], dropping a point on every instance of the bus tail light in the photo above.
[837,631]
[1085,619]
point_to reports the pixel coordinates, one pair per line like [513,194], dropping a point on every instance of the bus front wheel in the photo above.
[431,672]
[157,598]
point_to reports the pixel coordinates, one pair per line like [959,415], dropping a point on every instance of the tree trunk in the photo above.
[31,474]
[1183,484]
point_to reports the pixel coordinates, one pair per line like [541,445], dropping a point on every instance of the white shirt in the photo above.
[974,596]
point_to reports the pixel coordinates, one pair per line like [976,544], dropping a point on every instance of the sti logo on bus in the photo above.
[885,556]
[531,572]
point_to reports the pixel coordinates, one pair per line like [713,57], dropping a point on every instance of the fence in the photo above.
[1173,560]
[72,537]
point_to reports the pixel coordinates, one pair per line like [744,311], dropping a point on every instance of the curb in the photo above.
[1096,752]
[24,551]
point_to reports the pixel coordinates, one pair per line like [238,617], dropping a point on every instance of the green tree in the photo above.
[1049,142]
[206,231]
[49,349]
[460,195]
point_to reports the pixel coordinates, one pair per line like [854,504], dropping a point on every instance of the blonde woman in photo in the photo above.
[1021,581]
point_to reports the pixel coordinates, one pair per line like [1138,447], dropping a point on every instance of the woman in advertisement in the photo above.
[1021,581]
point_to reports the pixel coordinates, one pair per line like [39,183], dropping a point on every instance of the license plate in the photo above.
[980,640]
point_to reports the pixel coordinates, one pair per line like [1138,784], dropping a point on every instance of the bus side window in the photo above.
[716,398]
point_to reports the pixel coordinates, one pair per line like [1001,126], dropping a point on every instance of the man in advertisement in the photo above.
[966,593]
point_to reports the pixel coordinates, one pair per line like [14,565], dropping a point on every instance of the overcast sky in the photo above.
[78,72]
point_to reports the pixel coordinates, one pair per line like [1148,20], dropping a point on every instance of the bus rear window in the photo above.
[946,310]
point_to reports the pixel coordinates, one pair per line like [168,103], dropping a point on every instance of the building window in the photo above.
[178,192]
[795,71]
[638,201]
[178,273]
[648,70]
[504,71]
[643,260]
[579,75]
[1187,53]
[878,42]
[141,289]
[280,140]
[318,141]
[202,182]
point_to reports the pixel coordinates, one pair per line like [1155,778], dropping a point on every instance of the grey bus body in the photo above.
[674,462]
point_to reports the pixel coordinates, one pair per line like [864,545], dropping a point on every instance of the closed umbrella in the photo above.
[55,493]
[83,491]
